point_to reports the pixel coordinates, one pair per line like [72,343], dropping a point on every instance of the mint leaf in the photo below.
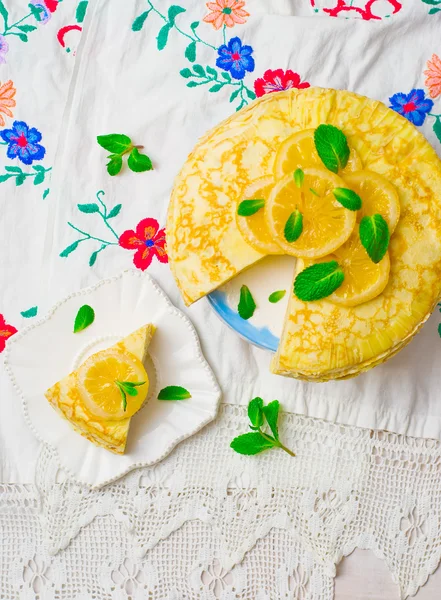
[347,198]
[123,396]
[250,443]
[299,176]
[255,412]
[115,211]
[161,40]
[332,147]
[190,52]
[271,412]
[31,312]
[249,207]
[318,281]
[114,142]
[138,162]
[276,296]
[69,249]
[246,306]
[80,13]
[374,236]
[114,166]
[312,190]
[88,208]
[138,23]
[293,226]
[174,392]
[85,317]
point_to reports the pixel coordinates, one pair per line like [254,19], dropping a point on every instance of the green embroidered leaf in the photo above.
[212,72]
[174,392]
[4,178]
[38,168]
[39,178]
[226,75]
[13,169]
[432,11]
[85,317]
[186,73]
[199,70]
[69,249]
[332,147]
[190,52]
[36,11]
[162,38]
[138,162]
[20,179]
[437,124]
[138,23]
[216,88]
[246,306]
[194,25]
[88,208]
[31,312]
[347,198]
[374,236]
[114,142]
[4,13]
[23,37]
[318,281]
[299,176]
[251,95]
[93,257]
[234,95]
[173,12]
[255,412]
[45,193]
[271,412]
[192,84]
[439,330]
[250,443]
[247,208]
[293,227]
[115,211]
[26,28]
[276,296]
[80,13]
[114,166]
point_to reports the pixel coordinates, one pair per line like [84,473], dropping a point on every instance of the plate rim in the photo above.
[212,412]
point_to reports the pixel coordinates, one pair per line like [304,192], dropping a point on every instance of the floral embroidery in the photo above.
[216,578]
[23,143]
[414,105]
[30,312]
[39,12]
[80,14]
[364,9]
[148,241]
[128,577]
[45,13]
[7,93]
[4,47]
[433,73]
[235,58]
[5,332]
[278,81]
[435,4]
[226,12]
[37,574]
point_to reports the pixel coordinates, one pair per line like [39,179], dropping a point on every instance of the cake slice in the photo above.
[93,398]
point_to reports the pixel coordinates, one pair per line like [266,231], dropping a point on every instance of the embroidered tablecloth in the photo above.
[266,527]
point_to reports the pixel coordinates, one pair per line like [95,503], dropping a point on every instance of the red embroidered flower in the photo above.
[277,81]
[5,332]
[148,241]
[52,5]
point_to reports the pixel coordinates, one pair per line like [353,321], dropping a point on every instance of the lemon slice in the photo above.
[364,280]
[97,379]
[298,151]
[326,223]
[254,228]
[377,194]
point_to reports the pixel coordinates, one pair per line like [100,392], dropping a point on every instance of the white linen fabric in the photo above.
[262,527]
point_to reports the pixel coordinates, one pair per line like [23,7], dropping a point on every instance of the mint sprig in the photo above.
[374,236]
[85,317]
[247,208]
[257,441]
[174,392]
[119,145]
[347,198]
[318,281]
[332,147]
[293,226]
[276,296]
[128,388]
[246,306]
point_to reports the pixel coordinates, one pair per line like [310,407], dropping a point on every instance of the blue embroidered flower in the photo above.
[414,106]
[45,13]
[235,58]
[23,142]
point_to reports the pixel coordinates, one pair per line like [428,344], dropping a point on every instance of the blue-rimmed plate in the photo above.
[271,274]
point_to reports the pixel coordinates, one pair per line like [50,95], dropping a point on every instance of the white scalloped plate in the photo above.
[46,351]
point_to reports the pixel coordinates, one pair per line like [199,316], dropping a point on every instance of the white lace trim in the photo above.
[346,488]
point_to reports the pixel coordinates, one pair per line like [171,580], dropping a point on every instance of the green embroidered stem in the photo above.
[39,174]
[224,34]
[91,237]
[7,28]
[194,38]
[105,214]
